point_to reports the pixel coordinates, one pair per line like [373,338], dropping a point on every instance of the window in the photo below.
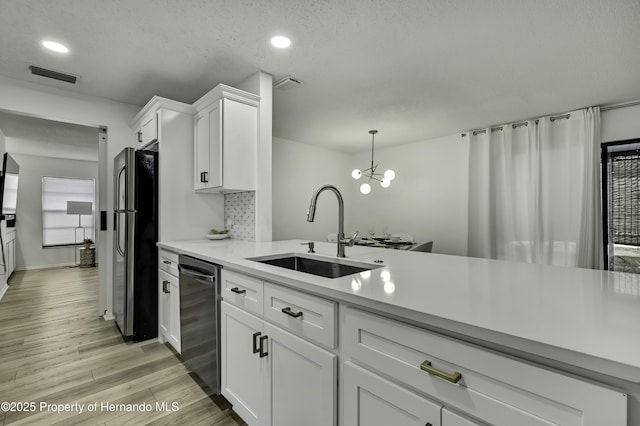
[58,227]
[621,190]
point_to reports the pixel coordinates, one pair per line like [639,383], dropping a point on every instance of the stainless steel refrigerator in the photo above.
[135,255]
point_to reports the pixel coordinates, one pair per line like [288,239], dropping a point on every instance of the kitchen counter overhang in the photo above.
[576,317]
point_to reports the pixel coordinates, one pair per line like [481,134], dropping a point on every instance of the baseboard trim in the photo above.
[3,290]
[108,316]
[57,265]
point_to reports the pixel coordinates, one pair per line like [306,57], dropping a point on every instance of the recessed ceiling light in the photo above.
[55,46]
[281,42]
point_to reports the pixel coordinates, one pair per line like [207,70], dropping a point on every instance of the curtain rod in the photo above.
[622,105]
[516,125]
[554,118]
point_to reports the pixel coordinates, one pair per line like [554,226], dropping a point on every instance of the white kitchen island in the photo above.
[571,324]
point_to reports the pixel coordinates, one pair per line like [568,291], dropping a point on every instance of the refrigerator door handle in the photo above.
[117,237]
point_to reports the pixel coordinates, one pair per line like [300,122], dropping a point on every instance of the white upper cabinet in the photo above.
[148,130]
[226,140]
[147,124]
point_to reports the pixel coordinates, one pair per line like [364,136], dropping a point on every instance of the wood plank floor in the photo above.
[54,349]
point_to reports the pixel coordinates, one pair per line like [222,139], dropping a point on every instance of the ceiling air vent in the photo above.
[43,72]
[286,83]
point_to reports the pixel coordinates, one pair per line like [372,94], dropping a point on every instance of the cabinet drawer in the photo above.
[494,388]
[301,313]
[242,291]
[168,262]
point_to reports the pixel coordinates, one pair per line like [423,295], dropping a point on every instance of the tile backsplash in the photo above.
[241,208]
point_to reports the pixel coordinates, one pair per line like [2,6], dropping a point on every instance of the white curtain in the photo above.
[534,191]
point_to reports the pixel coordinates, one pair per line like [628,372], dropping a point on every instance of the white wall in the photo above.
[29,251]
[298,170]
[428,197]
[46,102]
[620,124]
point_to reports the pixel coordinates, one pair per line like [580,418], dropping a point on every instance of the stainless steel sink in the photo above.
[316,265]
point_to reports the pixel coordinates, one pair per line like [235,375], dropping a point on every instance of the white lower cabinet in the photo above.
[164,306]
[169,299]
[303,385]
[169,310]
[243,370]
[272,377]
[279,360]
[470,380]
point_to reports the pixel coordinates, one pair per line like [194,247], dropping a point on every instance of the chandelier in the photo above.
[370,173]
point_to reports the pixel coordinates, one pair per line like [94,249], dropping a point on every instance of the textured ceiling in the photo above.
[413,69]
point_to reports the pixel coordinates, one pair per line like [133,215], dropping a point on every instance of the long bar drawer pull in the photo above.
[236,290]
[449,377]
[289,312]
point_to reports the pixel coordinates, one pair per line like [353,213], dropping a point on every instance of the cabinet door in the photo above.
[453,419]
[164,306]
[174,316]
[10,257]
[201,151]
[149,129]
[244,374]
[13,255]
[6,269]
[208,147]
[372,400]
[303,388]
[215,145]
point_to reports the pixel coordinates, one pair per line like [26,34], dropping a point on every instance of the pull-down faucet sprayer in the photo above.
[311,213]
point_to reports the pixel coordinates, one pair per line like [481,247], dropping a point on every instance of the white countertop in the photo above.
[581,317]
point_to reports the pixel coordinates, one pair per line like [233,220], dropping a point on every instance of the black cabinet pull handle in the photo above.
[166,262]
[263,353]
[256,349]
[236,290]
[204,177]
[289,312]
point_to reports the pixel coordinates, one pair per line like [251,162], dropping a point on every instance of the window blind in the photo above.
[624,198]
[59,228]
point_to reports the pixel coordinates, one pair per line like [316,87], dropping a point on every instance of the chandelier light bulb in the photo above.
[390,175]
[370,174]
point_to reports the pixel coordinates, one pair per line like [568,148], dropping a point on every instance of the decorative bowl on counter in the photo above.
[217,236]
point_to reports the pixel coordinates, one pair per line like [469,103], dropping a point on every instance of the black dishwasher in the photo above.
[200,319]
